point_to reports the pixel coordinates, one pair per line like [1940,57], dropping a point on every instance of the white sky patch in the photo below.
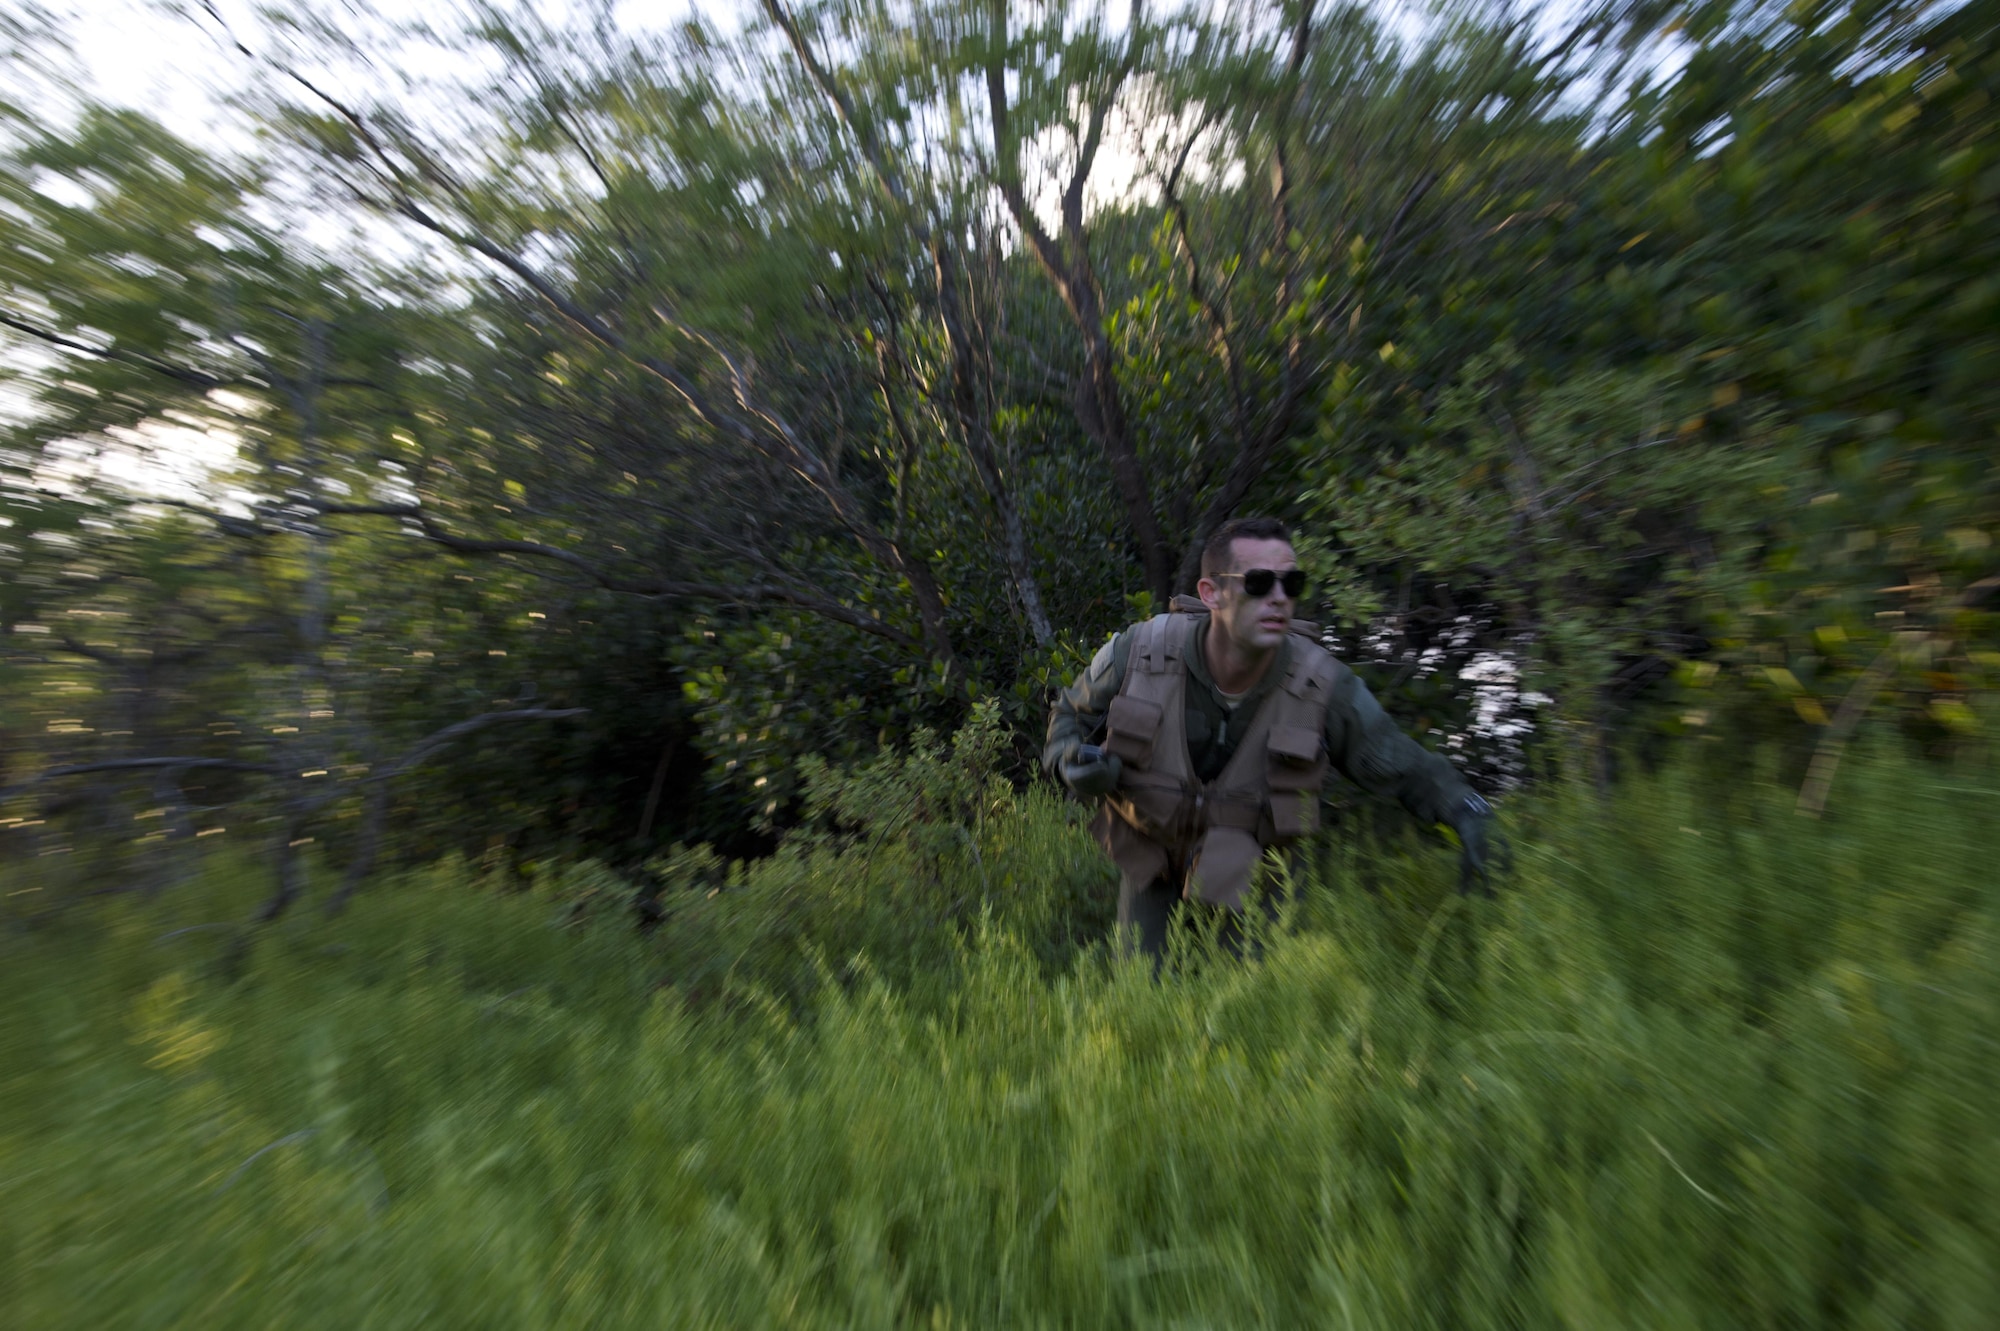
[1133,158]
[144,56]
[162,459]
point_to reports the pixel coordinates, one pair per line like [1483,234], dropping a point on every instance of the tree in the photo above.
[172,308]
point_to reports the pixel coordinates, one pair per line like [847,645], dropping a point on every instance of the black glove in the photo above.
[1478,844]
[1091,772]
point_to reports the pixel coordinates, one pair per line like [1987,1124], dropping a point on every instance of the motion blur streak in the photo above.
[482,471]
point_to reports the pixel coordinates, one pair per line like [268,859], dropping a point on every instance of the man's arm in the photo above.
[1370,751]
[1077,717]
[1366,745]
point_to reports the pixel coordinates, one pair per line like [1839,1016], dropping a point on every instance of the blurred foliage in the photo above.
[779,392]
[1728,399]
[1704,1063]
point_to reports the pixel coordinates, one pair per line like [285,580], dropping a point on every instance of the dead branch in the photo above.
[138,765]
[180,374]
[414,756]
[729,593]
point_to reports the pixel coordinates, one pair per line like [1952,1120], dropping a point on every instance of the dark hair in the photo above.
[1217,556]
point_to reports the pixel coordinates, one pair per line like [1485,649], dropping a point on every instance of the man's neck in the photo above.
[1234,668]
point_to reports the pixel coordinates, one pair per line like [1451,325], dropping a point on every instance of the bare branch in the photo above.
[1098,401]
[1255,445]
[424,748]
[871,146]
[777,441]
[973,426]
[1218,323]
[180,374]
[228,524]
[592,326]
[1006,163]
[415,755]
[84,649]
[1833,742]
[139,765]
[404,202]
[1093,134]
[743,593]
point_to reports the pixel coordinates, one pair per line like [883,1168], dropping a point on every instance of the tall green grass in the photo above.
[1701,1064]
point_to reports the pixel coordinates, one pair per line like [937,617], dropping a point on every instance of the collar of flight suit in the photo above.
[1197,665]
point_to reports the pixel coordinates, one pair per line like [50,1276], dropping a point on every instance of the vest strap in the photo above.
[1183,604]
[1244,812]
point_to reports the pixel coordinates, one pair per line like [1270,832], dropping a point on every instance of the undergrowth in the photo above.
[1701,1063]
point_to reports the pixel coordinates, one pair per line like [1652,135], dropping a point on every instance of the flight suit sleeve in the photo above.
[1365,744]
[1077,717]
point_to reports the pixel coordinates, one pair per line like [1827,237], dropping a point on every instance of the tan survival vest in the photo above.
[1160,817]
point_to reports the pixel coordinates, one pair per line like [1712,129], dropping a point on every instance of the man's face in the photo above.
[1255,623]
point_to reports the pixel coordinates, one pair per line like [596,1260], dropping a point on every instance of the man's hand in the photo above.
[1091,772]
[1472,820]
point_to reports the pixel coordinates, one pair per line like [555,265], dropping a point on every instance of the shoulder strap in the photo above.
[1313,669]
[1190,605]
[1159,646]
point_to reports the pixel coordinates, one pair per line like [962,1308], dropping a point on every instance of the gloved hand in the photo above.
[1478,845]
[1091,772]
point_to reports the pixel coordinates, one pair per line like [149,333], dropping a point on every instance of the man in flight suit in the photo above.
[1219,721]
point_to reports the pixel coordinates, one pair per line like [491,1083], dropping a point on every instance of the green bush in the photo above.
[1702,1063]
[896,858]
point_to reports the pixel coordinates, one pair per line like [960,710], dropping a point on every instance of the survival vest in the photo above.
[1160,817]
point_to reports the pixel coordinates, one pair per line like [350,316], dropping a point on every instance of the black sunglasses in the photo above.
[1259,581]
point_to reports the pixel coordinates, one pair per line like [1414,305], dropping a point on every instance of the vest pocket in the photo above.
[1295,772]
[1294,748]
[1133,724]
[1223,863]
[1294,813]
[1157,805]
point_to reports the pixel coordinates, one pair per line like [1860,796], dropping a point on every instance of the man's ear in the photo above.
[1210,594]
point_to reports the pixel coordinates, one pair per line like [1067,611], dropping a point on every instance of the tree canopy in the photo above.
[693,401]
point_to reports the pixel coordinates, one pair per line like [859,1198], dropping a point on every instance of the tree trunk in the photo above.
[291,870]
[659,784]
[1100,409]
[365,846]
[975,426]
